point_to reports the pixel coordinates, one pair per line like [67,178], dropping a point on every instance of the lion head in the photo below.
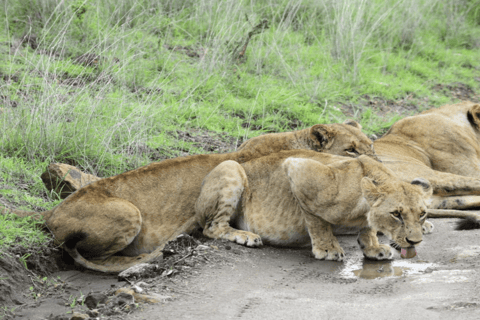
[343,139]
[397,208]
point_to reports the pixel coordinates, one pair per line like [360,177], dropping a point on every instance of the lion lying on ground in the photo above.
[344,139]
[443,146]
[288,198]
[135,212]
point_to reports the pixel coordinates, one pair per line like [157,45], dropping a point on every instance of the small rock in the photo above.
[124,299]
[93,313]
[146,298]
[65,179]
[94,299]
[79,316]
[139,270]
[58,317]
[201,247]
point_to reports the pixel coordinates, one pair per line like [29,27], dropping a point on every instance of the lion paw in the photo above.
[382,252]
[246,238]
[335,254]
[427,227]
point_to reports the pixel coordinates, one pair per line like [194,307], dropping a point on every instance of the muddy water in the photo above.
[367,269]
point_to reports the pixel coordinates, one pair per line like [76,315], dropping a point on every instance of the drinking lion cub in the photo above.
[294,197]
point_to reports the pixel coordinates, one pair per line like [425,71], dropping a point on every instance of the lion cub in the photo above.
[293,198]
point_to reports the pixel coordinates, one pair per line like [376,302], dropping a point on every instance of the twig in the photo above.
[185,257]
[259,28]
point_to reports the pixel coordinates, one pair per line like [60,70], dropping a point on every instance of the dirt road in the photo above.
[234,282]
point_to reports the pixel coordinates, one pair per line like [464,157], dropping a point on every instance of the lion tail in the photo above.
[116,264]
[22,213]
[470,219]
[469,223]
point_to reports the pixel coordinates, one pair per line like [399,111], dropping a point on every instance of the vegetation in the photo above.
[108,85]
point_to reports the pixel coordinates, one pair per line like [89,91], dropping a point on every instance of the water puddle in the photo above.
[368,269]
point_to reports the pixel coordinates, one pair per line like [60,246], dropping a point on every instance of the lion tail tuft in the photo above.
[468,223]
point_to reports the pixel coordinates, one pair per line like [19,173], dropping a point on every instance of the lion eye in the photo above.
[422,214]
[396,214]
[352,150]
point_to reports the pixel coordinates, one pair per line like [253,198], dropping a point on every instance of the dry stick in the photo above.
[259,28]
[181,259]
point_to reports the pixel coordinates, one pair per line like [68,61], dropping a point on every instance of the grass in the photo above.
[159,67]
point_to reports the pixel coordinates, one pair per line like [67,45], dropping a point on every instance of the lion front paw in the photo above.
[244,237]
[382,252]
[334,253]
[427,227]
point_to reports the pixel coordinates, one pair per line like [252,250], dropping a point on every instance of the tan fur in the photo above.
[443,146]
[135,213]
[293,198]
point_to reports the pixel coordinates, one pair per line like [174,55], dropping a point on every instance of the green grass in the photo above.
[174,65]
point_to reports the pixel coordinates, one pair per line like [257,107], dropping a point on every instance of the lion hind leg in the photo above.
[116,264]
[218,202]
[96,230]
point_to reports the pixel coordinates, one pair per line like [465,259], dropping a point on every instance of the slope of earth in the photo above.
[221,280]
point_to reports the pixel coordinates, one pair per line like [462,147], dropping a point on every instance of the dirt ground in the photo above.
[211,279]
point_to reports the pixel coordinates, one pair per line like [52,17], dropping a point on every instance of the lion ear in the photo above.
[425,184]
[473,116]
[353,123]
[321,136]
[370,191]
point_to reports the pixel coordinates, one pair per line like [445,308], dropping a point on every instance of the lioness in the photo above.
[293,198]
[443,146]
[344,139]
[135,212]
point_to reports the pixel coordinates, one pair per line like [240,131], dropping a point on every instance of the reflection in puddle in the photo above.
[368,269]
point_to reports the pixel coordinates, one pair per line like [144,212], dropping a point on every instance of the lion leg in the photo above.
[316,194]
[96,230]
[454,202]
[324,244]
[368,241]
[218,202]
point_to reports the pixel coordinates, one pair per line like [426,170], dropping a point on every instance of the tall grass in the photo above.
[164,65]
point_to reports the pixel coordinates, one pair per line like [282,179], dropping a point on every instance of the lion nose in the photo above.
[412,242]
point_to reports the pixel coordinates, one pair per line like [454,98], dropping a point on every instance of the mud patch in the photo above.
[21,268]
[465,253]
[207,140]
[446,276]
[458,90]
[70,290]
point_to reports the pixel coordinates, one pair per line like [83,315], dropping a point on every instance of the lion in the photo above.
[442,146]
[120,220]
[287,198]
[295,198]
[344,139]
